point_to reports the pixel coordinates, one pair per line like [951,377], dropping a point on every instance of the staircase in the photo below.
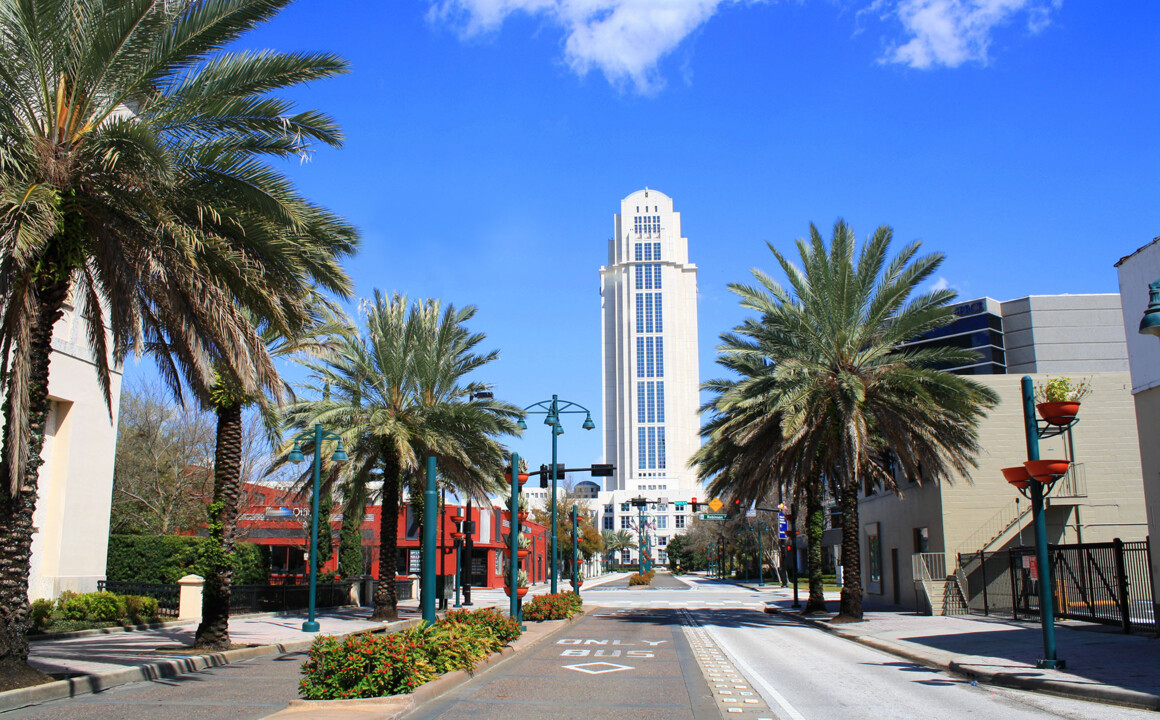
[943,593]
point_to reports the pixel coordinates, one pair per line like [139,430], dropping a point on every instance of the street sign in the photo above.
[713,516]
[715,504]
[782,526]
[751,512]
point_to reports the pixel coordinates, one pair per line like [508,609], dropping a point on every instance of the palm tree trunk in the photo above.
[18,504]
[214,633]
[815,526]
[850,609]
[386,599]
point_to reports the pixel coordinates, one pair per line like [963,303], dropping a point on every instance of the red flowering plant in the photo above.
[373,665]
[559,606]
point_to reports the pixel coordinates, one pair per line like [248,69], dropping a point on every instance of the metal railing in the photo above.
[1073,484]
[995,527]
[166,595]
[281,598]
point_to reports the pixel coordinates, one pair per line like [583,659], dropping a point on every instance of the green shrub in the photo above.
[40,613]
[168,558]
[72,608]
[139,608]
[103,606]
[560,606]
[366,665]
[503,627]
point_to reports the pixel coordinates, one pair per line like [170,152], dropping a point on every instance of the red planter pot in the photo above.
[457,518]
[522,477]
[1058,413]
[458,535]
[1017,476]
[521,553]
[520,592]
[1046,471]
[508,516]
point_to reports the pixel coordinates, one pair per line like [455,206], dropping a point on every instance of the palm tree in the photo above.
[745,457]
[853,401]
[317,333]
[399,394]
[132,178]
[616,541]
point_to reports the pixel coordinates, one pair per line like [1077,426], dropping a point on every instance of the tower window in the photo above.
[648,313]
[656,251]
[655,283]
[638,273]
[657,313]
[660,358]
[641,300]
[661,448]
[640,402]
[639,252]
[661,401]
[640,357]
[640,448]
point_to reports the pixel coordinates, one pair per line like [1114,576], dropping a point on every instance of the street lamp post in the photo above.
[553,409]
[575,554]
[514,544]
[640,503]
[318,435]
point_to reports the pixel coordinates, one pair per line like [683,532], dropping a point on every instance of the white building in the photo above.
[651,425]
[75,489]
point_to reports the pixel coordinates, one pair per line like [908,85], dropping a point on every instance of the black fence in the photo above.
[1108,583]
[167,596]
[280,598]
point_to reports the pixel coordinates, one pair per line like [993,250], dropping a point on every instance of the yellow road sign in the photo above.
[716,504]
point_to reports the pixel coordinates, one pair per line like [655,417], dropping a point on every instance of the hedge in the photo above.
[168,558]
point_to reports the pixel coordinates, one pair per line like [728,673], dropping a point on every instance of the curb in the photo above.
[87,684]
[403,704]
[1105,693]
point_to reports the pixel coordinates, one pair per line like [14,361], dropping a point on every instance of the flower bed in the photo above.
[560,606]
[368,665]
[642,579]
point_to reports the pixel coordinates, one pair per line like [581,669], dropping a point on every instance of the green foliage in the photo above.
[1061,389]
[559,606]
[41,611]
[73,611]
[368,665]
[168,558]
[350,554]
[503,627]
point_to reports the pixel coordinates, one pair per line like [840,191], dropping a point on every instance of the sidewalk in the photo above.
[1103,664]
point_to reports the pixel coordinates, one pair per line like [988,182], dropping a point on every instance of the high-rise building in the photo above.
[648,294]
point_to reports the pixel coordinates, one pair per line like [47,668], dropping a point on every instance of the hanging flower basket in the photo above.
[577,583]
[520,592]
[1059,413]
[457,518]
[458,535]
[521,553]
[522,477]
[1017,476]
[1046,471]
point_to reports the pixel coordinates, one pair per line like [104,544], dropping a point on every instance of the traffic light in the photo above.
[546,474]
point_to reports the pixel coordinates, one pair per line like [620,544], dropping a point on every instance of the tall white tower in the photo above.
[648,294]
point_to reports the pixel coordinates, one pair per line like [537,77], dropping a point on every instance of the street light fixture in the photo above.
[552,410]
[318,435]
[1150,323]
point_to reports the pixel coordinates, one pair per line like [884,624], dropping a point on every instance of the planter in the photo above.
[507,515]
[523,516]
[457,518]
[577,583]
[1058,413]
[522,477]
[1046,471]
[1017,476]
[521,553]
[458,535]
[520,592]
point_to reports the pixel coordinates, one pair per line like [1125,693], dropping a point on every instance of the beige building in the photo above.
[1136,272]
[1100,499]
[76,481]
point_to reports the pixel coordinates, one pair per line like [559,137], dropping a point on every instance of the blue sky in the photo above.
[489,143]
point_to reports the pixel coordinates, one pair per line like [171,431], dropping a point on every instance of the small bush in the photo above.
[103,606]
[40,613]
[503,627]
[560,606]
[72,608]
[139,608]
[642,579]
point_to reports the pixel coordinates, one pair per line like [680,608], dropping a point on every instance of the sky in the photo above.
[489,143]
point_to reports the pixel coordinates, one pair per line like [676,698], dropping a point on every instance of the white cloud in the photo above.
[624,39]
[952,32]
[939,285]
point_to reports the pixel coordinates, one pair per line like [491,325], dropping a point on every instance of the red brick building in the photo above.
[278,518]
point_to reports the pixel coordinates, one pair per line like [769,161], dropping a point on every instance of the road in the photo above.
[722,657]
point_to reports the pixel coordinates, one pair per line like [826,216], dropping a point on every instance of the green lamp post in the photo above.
[553,409]
[318,435]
